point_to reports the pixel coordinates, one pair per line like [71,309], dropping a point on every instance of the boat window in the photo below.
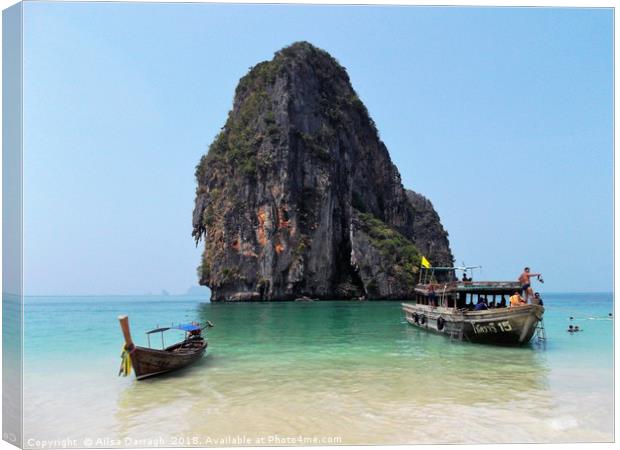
[502,303]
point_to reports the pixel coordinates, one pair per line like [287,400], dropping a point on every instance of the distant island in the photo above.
[297,196]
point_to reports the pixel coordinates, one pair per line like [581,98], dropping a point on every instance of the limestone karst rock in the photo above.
[298,196]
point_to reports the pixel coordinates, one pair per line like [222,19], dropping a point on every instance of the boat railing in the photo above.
[472,285]
[457,285]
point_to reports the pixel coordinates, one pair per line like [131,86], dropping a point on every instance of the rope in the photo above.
[125,368]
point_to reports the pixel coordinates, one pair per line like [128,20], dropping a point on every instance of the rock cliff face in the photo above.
[297,195]
[429,236]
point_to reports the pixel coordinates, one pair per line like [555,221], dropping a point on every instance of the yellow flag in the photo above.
[425,263]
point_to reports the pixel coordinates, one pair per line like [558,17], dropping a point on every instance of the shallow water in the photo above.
[313,373]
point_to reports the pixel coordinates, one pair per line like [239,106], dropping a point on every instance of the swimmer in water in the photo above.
[570,329]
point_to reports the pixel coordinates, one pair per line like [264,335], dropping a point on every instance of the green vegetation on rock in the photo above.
[315,145]
[392,245]
[236,146]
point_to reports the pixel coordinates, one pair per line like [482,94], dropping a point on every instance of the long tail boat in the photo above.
[448,308]
[147,362]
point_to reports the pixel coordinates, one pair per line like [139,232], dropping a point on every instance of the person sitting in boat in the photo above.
[196,332]
[526,282]
[516,299]
[502,304]
[432,295]
[481,305]
[537,300]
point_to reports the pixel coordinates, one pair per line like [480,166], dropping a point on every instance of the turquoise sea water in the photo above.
[313,373]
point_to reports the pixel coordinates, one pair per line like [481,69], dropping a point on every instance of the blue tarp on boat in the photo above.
[186,327]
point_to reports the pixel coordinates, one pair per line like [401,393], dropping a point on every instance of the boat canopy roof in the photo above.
[183,327]
[186,327]
[470,287]
[445,269]
[158,330]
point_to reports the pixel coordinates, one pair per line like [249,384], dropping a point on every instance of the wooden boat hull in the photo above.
[148,362]
[500,326]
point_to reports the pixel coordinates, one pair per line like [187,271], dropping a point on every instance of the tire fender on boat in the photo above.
[416,319]
[440,323]
[422,319]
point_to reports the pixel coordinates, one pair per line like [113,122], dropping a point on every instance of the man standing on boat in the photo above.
[526,283]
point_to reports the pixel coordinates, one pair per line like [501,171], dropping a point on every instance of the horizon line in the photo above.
[196,295]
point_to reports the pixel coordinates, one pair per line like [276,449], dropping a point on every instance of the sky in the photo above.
[501,116]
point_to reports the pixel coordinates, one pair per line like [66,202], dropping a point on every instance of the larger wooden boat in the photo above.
[448,308]
[147,362]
